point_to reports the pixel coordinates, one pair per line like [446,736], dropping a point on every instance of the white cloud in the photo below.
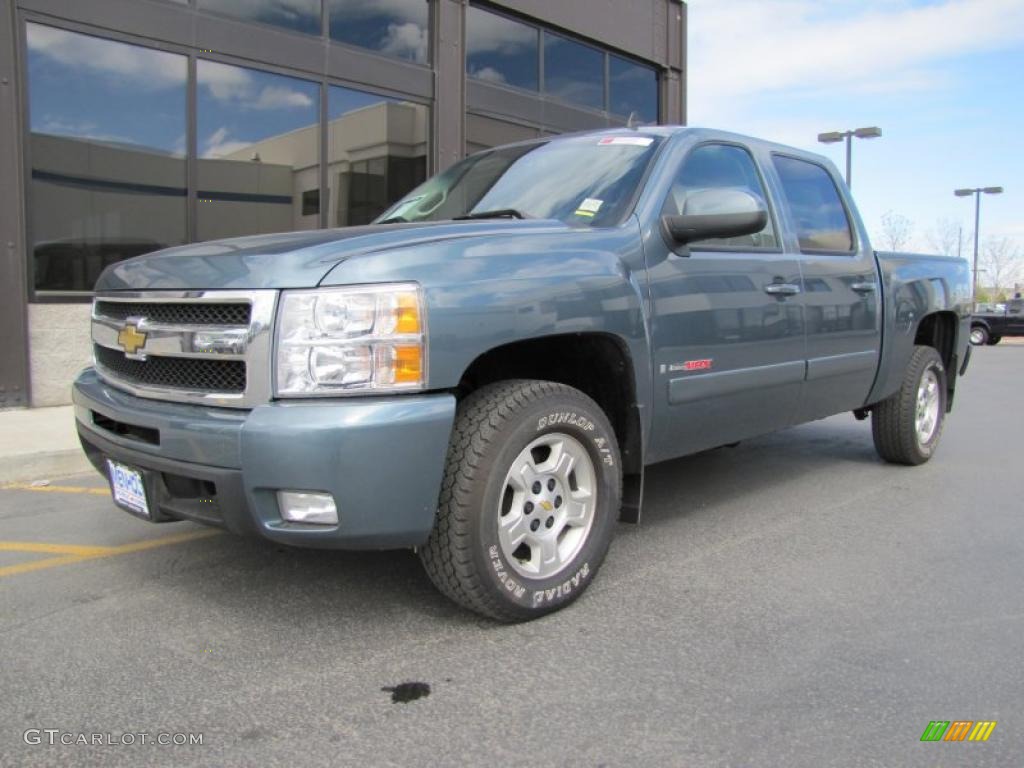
[490,33]
[143,67]
[488,73]
[396,9]
[281,97]
[753,47]
[218,144]
[408,41]
[237,86]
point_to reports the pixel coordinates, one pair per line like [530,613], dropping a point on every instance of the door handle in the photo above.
[863,287]
[782,289]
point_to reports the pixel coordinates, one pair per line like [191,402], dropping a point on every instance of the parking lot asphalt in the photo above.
[789,602]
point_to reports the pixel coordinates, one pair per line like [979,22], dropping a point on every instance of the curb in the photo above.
[43,465]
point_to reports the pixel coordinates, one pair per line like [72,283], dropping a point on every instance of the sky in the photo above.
[943,79]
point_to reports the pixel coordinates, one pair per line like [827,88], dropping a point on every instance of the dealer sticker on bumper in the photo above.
[128,488]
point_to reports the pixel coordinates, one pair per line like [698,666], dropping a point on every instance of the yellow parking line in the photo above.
[70,553]
[55,489]
[52,549]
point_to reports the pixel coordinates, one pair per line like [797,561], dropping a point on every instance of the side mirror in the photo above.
[724,212]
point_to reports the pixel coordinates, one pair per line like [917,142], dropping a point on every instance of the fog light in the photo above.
[303,507]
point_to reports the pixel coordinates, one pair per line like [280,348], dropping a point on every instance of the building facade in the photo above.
[132,125]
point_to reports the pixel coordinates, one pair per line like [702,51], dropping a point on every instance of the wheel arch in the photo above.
[598,364]
[939,330]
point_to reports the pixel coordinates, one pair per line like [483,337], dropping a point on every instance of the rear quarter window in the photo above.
[818,213]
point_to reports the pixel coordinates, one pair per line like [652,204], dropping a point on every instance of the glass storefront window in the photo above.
[296,15]
[377,152]
[396,28]
[573,71]
[632,88]
[107,146]
[258,143]
[501,50]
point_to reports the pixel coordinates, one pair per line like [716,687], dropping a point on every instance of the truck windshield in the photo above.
[584,181]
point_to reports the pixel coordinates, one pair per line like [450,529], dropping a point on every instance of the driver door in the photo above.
[728,330]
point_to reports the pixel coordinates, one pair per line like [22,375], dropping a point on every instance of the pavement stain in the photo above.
[403,693]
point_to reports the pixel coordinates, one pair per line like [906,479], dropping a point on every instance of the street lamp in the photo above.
[977,192]
[834,137]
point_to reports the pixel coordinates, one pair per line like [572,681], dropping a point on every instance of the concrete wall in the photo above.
[59,347]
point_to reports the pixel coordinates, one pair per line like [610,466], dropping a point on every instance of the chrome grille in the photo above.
[209,347]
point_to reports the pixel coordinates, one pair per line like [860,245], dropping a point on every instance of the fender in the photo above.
[914,290]
[485,292]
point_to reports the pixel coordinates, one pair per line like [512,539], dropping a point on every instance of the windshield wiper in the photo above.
[394,220]
[497,213]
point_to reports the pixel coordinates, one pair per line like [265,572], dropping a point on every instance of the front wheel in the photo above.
[529,501]
[979,336]
[993,340]
[906,427]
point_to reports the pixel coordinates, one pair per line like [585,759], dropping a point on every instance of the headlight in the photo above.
[352,339]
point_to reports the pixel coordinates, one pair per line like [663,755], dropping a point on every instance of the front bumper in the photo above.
[382,458]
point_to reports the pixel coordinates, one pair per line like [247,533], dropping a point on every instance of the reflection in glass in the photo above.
[258,143]
[377,151]
[632,88]
[107,146]
[296,15]
[573,71]
[500,50]
[821,221]
[721,166]
[397,27]
[598,178]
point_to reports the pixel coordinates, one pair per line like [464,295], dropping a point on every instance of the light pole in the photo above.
[834,137]
[977,192]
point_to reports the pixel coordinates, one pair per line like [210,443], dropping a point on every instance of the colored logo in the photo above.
[131,339]
[958,730]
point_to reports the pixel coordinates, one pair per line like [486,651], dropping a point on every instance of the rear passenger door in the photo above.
[727,328]
[841,296]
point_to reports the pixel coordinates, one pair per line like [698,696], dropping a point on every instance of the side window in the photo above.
[814,202]
[720,166]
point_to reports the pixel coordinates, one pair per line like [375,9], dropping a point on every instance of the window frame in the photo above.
[702,246]
[192,55]
[855,245]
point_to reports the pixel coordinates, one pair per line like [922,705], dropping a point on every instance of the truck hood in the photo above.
[293,259]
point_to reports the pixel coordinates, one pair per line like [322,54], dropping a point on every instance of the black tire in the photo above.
[493,426]
[993,340]
[979,335]
[893,421]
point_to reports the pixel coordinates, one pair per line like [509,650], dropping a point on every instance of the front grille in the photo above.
[190,373]
[205,347]
[178,313]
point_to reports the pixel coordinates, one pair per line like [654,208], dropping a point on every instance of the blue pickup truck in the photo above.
[484,372]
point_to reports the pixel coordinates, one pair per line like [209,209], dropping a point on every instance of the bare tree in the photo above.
[945,237]
[896,230]
[1003,264]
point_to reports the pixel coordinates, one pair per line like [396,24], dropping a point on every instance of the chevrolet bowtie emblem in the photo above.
[547,506]
[131,339]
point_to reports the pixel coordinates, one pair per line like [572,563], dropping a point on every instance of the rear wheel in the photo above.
[530,498]
[993,340]
[979,335]
[906,427]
